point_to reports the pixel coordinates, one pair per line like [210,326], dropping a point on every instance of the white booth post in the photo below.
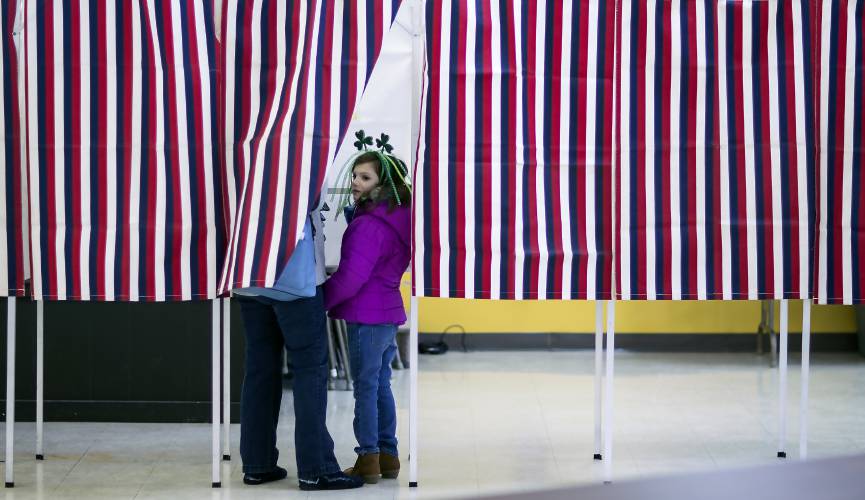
[226,378]
[608,392]
[782,382]
[417,51]
[10,392]
[806,373]
[611,311]
[215,359]
[599,375]
[412,405]
[40,377]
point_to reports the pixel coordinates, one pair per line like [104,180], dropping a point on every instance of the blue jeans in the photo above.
[299,327]
[371,350]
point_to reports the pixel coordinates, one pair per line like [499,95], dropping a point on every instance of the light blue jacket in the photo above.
[315,226]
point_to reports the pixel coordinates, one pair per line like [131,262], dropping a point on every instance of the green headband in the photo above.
[392,168]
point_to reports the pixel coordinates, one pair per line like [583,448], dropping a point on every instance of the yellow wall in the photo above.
[491,316]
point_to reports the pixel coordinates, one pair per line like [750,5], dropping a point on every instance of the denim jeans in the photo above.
[371,350]
[299,327]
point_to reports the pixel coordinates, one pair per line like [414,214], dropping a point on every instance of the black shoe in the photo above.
[265,477]
[335,481]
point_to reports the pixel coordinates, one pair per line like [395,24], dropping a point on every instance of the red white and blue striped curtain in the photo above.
[122,135]
[294,72]
[513,184]
[716,185]
[14,259]
[841,220]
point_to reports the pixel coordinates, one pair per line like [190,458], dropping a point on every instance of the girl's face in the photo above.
[363,180]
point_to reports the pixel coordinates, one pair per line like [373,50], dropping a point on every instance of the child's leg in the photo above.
[386,406]
[366,345]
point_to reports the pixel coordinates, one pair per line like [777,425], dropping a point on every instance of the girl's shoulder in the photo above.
[381,220]
[364,224]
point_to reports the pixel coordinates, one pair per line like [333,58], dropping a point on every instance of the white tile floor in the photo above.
[490,422]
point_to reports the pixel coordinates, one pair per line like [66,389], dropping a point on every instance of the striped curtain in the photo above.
[841,82]
[14,259]
[294,71]
[512,189]
[716,185]
[122,132]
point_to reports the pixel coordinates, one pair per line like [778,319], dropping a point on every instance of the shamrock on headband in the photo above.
[382,143]
[362,141]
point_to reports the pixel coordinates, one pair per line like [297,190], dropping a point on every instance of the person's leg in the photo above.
[303,324]
[387,442]
[365,353]
[262,387]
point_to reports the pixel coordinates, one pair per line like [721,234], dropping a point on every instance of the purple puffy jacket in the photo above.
[375,253]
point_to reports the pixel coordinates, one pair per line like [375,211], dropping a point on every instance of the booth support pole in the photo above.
[40,378]
[806,373]
[215,393]
[608,392]
[226,378]
[10,392]
[782,382]
[417,51]
[599,376]
[413,399]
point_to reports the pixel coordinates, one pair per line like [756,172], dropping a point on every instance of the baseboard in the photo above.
[661,342]
[120,411]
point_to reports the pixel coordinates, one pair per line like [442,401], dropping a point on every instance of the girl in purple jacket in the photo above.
[364,291]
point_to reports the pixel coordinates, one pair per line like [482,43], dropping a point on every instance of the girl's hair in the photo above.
[392,186]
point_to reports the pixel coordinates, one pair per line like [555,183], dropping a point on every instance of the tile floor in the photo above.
[490,422]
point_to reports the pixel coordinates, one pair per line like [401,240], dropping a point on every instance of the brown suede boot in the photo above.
[366,467]
[389,465]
